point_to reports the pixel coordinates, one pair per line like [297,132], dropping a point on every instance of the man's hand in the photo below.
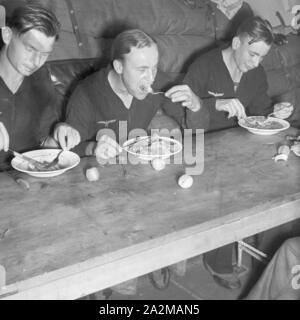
[283,110]
[185,95]
[107,148]
[232,106]
[4,138]
[66,136]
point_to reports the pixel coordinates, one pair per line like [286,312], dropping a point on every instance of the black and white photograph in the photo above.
[149,153]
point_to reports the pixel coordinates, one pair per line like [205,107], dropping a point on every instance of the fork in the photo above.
[150,90]
[136,141]
[271,114]
[157,92]
[54,162]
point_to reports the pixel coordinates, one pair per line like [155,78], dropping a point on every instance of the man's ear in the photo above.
[236,43]
[118,66]
[6,33]
[2,16]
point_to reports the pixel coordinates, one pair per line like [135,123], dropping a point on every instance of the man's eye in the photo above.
[44,55]
[29,49]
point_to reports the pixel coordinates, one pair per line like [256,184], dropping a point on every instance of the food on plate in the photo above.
[92,174]
[153,145]
[262,122]
[185,181]
[51,162]
[158,164]
[44,167]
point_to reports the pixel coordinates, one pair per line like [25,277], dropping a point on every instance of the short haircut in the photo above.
[33,16]
[257,29]
[123,43]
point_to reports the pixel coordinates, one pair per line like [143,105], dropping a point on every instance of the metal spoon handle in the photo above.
[157,92]
[54,162]
[28,159]
[271,114]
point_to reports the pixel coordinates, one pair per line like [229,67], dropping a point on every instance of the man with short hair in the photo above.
[122,92]
[231,83]
[27,95]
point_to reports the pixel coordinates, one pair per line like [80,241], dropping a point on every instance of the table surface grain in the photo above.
[65,220]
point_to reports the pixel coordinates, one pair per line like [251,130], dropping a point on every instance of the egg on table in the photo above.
[185,181]
[92,174]
[158,164]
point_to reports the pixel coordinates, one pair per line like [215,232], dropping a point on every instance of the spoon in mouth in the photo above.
[148,89]
[157,92]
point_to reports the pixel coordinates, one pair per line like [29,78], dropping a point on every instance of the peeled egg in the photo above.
[92,174]
[185,181]
[158,164]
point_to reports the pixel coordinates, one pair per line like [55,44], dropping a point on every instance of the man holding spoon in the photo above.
[123,92]
[28,98]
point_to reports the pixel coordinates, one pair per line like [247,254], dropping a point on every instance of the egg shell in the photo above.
[185,181]
[158,164]
[92,174]
[284,149]
[23,183]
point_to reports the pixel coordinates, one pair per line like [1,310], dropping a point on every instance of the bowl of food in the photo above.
[263,125]
[66,161]
[151,147]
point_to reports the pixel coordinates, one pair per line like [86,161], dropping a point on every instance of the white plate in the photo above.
[261,131]
[67,161]
[143,148]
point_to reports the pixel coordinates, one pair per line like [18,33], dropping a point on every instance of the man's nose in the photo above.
[256,61]
[36,59]
[150,76]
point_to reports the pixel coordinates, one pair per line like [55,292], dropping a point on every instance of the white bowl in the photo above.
[260,131]
[67,161]
[177,147]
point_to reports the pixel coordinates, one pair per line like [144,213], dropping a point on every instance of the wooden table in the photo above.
[66,237]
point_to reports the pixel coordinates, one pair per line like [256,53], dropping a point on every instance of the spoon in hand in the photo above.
[54,162]
[31,161]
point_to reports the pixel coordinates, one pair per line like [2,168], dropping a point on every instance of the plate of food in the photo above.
[264,125]
[151,147]
[66,161]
